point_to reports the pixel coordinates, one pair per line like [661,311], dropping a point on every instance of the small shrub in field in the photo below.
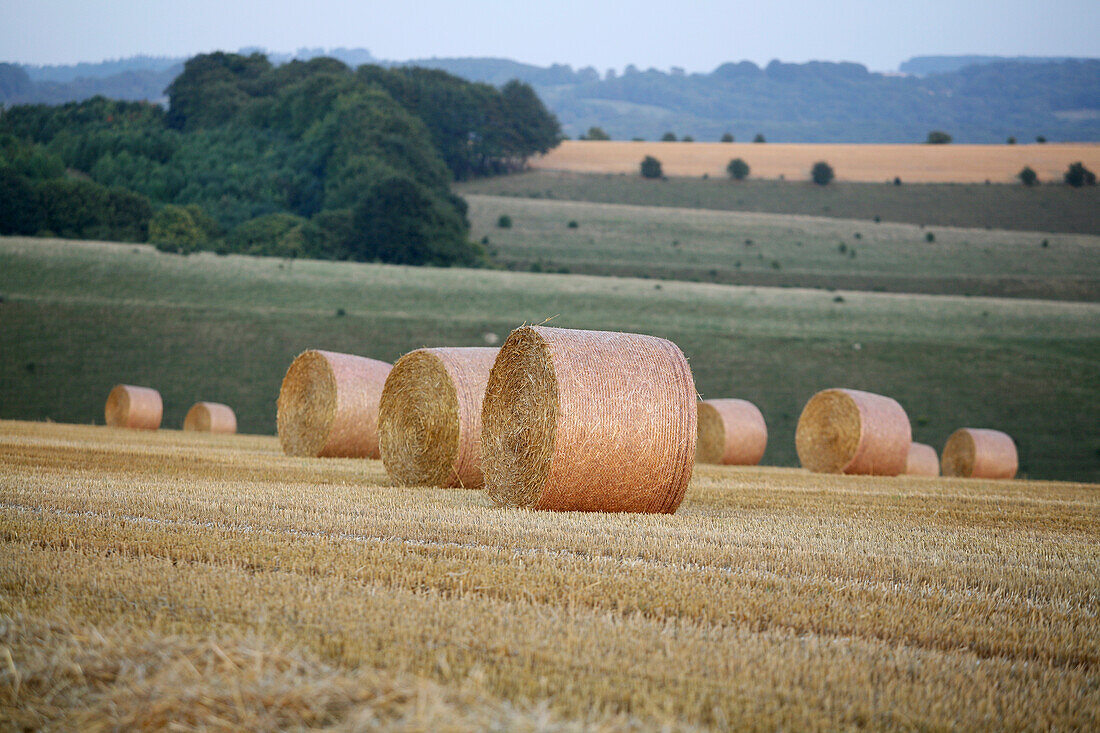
[938,137]
[668,137]
[759,138]
[504,222]
[897,180]
[1028,176]
[340,312]
[595,133]
[930,237]
[687,139]
[573,224]
[822,173]
[1040,139]
[1078,175]
[172,229]
[842,248]
[651,167]
[738,169]
[1046,243]
[727,137]
[1011,140]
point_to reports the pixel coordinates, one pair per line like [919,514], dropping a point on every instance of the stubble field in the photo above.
[149,578]
[852,162]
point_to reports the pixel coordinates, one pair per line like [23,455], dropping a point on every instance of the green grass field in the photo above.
[783,250]
[79,317]
[1047,208]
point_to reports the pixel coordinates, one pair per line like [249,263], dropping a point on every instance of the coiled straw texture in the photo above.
[980,453]
[922,461]
[210,417]
[328,405]
[855,432]
[590,421]
[430,417]
[731,432]
[134,407]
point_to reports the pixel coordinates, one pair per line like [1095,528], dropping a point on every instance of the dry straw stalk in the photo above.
[732,432]
[980,453]
[922,461]
[855,432]
[430,416]
[328,405]
[134,407]
[589,420]
[210,417]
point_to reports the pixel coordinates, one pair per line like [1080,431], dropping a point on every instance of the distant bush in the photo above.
[738,169]
[727,137]
[938,137]
[897,180]
[1040,139]
[651,167]
[573,224]
[1078,175]
[504,222]
[278,235]
[86,210]
[172,229]
[595,133]
[759,138]
[1028,176]
[687,139]
[822,173]
[930,237]
[1011,140]
[668,137]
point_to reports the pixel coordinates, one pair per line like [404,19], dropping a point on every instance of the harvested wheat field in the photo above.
[156,577]
[852,162]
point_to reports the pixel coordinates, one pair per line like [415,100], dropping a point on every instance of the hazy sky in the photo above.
[661,33]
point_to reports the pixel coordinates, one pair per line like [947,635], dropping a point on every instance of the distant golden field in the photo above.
[851,162]
[149,579]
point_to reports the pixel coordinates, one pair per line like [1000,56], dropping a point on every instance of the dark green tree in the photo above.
[595,133]
[938,137]
[668,137]
[727,137]
[822,173]
[1077,175]
[738,169]
[401,221]
[759,138]
[172,229]
[1027,176]
[651,167]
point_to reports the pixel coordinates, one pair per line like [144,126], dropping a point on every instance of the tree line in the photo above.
[308,158]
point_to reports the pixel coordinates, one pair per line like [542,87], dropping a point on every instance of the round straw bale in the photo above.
[430,416]
[922,461]
[210,417]
[851,431]
[980,453]
[732,432]
[134,407]
[328,405]
[589,421]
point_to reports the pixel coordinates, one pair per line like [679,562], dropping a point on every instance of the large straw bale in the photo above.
[855,432]
[210,417]
[328,405]
[430,416]
[589,420]
[731,432]
[922,461]
[134,407]
[980,453]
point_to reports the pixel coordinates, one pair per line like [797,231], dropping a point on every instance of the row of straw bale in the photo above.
[587,420]
[141,408]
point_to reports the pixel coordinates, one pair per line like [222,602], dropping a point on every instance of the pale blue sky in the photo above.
[660,33]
